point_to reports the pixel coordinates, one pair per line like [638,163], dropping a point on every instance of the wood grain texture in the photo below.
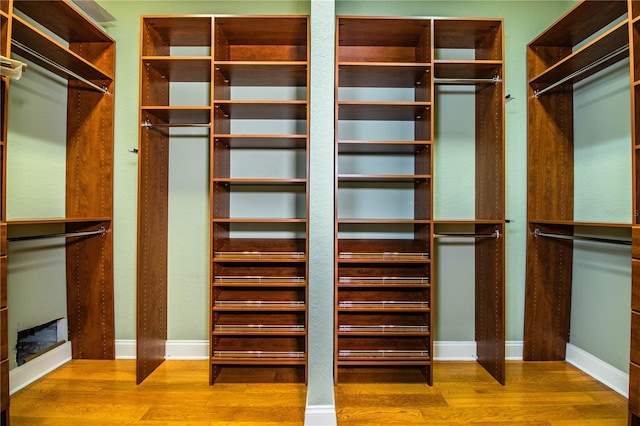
[547,295]
[153,211]
[490,301]
[104,392]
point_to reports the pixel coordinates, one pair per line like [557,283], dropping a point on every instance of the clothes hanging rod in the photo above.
[538,93]
[150,125]
[494,80]
[538,233]
[496,234]
[101,230]
[16,43]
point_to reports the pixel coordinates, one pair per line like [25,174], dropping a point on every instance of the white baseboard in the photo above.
[22,376]
[320,415]
[175,349]
[598,369]
[467,351]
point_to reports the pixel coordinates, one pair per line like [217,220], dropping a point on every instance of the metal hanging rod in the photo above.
[538,233]
[538,93]
[494,80]
[38,55]
[100,230]
[149,124]
[496,234]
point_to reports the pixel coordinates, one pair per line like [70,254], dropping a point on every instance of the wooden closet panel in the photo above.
[550,156]
[490,179]
[490,302]
[89,165]
[90,303]
[548,295]
[152,251]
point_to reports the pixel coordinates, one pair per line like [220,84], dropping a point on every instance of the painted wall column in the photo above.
[320,398]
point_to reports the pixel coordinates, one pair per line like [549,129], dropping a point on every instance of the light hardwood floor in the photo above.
[105,393]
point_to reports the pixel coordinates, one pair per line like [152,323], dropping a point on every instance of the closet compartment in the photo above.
[384,196]
[259,197]
[589,38]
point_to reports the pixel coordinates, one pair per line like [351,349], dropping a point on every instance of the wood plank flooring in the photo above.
[104,393]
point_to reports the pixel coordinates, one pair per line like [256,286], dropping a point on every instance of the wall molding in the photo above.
[320,415]
[605,373]
[22,376]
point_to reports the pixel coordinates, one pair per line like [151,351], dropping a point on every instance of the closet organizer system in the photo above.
[384,281]
[591,37]
[256,73]
[59,38]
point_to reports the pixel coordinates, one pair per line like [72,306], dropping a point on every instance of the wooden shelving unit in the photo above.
[384,264]
[589,38]
[258,257]
[86,60]
[552,64]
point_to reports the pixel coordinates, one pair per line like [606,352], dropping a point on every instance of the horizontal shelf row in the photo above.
[274,355]
[382,354]
[258,304]
[295,73]
[384,329]
[383,304]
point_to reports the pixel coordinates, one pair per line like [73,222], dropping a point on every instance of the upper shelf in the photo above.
[42,49]
[481,35]
[281,39]
[181,68]
[596,55]
[403,40]
[581,22]
[164,32]
[64,19]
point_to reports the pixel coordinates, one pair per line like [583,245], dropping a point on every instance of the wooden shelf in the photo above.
[610,42]
[258,281]
[175,30]
[260,181]
[263,110]
[461,69]
[64,19]
[263,74]
[578,223]
[382,178]
[177,114]
[180,68]
[469,33]
[582,21]
[381,146]
[391,111]
[383,74]
[234,141]
[35,40]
